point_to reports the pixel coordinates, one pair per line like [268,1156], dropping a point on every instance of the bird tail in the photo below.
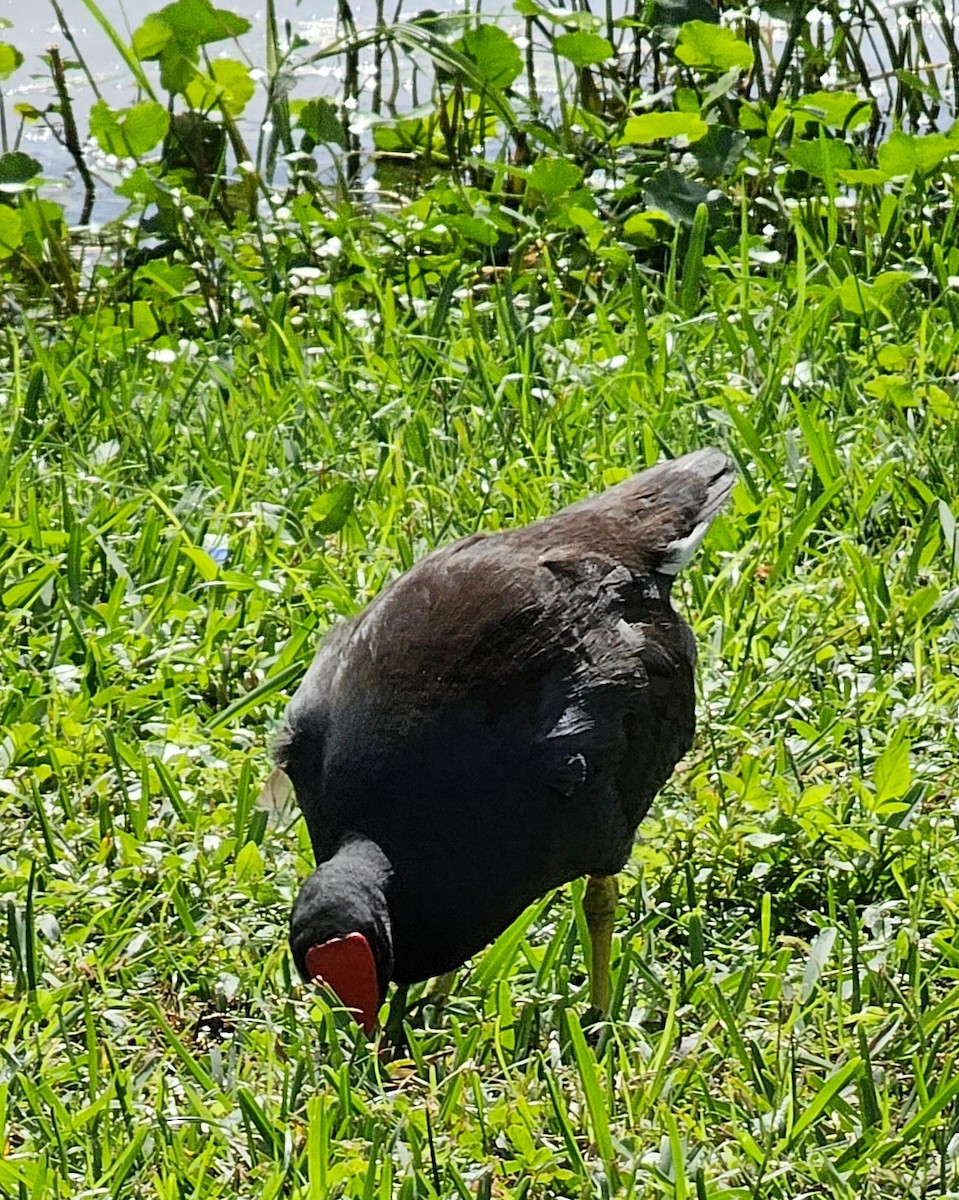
[708,472]
[654,521]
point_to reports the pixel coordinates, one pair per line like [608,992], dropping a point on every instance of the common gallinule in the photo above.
[494,724]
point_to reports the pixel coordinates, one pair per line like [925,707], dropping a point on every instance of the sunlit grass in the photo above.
[784,975]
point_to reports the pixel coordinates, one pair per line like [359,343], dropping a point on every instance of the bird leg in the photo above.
[599,908]
[441,986]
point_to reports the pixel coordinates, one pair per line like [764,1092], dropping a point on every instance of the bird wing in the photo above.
[543,667]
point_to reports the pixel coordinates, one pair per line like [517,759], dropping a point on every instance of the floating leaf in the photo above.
[494,54]
[655,127]
[704,45]
[330,511]
[551,177]
[129,132]
[582,48]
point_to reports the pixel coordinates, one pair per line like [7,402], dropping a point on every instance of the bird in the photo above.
[493,725]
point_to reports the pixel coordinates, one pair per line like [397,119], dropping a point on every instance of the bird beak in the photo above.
[346,966]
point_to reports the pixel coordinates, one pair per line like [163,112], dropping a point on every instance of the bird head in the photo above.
[340,929]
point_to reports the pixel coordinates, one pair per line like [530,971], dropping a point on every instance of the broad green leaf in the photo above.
[228,84]
[173,36]
[582,48]
[474,229]
[11,230]
[863,175]
[151,38]
[906,153]
[679,197]
[713,47]
[129,132]
[318,120]
[892,774]
[836,110]
[495,55]
[17,167]
[591,225]
[330,511]
[10,59]
[551,177]
[860,296]
[813,157]
[657,126]
[249,864]
[206,567]
[143,320]
[720,151]
[198,23]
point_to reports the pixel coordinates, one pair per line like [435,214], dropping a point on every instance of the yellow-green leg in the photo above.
[441,986]
[599,908]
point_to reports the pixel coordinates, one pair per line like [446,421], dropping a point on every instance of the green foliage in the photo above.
[11,231]
[10,59]
[129,132]
[582,48]
[17,167]
[319,122]
[712,47]
[493,54]
[654,127]
[173,37]
[228,85]
[220,439]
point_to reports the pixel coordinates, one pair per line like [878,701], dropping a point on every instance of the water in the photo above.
[32,34]
[914,40]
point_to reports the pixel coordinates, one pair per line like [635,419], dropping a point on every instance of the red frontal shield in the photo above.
[346,965]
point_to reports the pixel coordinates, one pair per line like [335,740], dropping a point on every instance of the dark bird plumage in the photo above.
[496,723]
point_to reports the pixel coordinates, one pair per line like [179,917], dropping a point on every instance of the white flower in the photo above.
[800,375]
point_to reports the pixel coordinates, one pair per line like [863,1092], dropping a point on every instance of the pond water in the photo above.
[35,27]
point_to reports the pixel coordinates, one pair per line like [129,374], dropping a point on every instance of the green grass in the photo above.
[786,970]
